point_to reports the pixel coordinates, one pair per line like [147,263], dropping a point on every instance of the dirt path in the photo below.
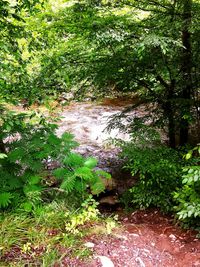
[148,239]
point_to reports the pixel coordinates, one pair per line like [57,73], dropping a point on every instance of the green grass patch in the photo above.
[43,239]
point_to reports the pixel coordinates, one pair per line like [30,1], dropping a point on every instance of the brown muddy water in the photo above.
[87,121]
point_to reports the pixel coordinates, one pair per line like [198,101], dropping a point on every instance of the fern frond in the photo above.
[74,160]
[68,184]
[29,188]
[33,180]
[5,199]
[84,173]
[80,186]
[97,187]
[68,141]
[103,174]
[61,173]
[14,183]
[90,163]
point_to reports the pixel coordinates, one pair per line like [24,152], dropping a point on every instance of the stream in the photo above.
[87,121]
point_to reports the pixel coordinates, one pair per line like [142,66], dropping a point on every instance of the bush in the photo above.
[188,196]
[158,169]
[27,143]
[155,167]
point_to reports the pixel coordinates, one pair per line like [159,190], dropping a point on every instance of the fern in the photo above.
[73,160]
[33,180]
[22,184]
[90,163]
[68,184]
[80,186]
[97,187]
[84,173]
[61,173]
[5,199]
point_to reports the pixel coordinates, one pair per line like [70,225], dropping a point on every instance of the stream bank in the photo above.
[145,238]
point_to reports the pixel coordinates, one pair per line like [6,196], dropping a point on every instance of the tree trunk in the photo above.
[2,147]
[169,113]
[186,71]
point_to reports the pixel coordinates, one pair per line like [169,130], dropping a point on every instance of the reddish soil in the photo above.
[148,239]
[143,239]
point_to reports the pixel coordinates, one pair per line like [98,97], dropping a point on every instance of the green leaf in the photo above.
[5,199]
[27,206]
[97,187]
[196,178]
[188,155]
[61,173]
[73,160]
[185,180]
[190,212]
[33,180]
[3,156]
[68,184]
[84,172]
[90,163]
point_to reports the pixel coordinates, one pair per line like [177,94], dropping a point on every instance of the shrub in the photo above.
[27,143]
[187,197]
[158,169]
[155,167]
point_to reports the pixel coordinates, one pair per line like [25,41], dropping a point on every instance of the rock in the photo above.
[89,245]
[172,237]
[135,235]
[105,261]
[121,237]
[67,96]
[109,200]
[140,262]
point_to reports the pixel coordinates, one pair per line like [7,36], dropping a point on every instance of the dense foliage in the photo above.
[159,171]
[147,49]
[151,47]
[29,145]
[188,196]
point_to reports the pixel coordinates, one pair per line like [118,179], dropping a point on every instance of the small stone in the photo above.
[139,260]
[145,250]
[135,235]
[105,261]
[89,245]
[173,237]
[122,237]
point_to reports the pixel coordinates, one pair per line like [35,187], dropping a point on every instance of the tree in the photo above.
[148,47]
